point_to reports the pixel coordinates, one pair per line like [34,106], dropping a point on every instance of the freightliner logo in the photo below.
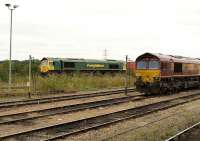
[95,65]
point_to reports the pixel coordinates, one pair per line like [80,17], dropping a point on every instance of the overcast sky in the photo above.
[84,28]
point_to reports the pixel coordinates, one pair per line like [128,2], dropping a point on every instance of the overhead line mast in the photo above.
[105,54]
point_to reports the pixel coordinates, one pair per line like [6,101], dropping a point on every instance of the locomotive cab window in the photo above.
[44,63]
[114,66]
[142,65]
[69,65]
[154,65]
[177,67]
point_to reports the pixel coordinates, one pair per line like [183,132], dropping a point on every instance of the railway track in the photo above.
[180,136]
[57,131]
[61,98]
[30,115]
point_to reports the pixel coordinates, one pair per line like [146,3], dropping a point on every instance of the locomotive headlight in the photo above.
[138,75]
[156,78]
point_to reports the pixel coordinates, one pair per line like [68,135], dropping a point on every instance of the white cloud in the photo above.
[83,29]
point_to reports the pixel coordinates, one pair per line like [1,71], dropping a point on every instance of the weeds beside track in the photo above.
[61,98]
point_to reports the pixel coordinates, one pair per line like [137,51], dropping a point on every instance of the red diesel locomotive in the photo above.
[158,73]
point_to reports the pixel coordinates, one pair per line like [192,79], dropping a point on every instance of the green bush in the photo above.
[79,82]
[19,69]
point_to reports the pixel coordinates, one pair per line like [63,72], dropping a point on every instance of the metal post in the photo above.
[126,76]
[10,55]
[11,8]
[30,60]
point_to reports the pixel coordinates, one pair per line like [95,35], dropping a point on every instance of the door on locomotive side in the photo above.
[57,65]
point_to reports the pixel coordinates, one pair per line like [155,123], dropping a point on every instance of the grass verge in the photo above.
[60,83]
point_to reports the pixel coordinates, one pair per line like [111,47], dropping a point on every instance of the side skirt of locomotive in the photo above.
[90,72]
[169,85]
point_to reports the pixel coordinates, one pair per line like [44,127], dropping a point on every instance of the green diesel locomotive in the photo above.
[59,65]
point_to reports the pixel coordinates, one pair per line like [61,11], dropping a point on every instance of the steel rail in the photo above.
[61,130]
[177,136]
[151,110]
[30,115]
[61,98]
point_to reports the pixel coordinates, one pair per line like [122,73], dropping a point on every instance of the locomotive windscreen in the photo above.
[142,65]
[148,64]
[154,65]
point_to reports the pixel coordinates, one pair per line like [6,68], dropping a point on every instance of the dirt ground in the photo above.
[25,96]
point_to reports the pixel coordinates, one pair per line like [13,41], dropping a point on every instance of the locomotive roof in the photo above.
[172,58]
[82,60]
